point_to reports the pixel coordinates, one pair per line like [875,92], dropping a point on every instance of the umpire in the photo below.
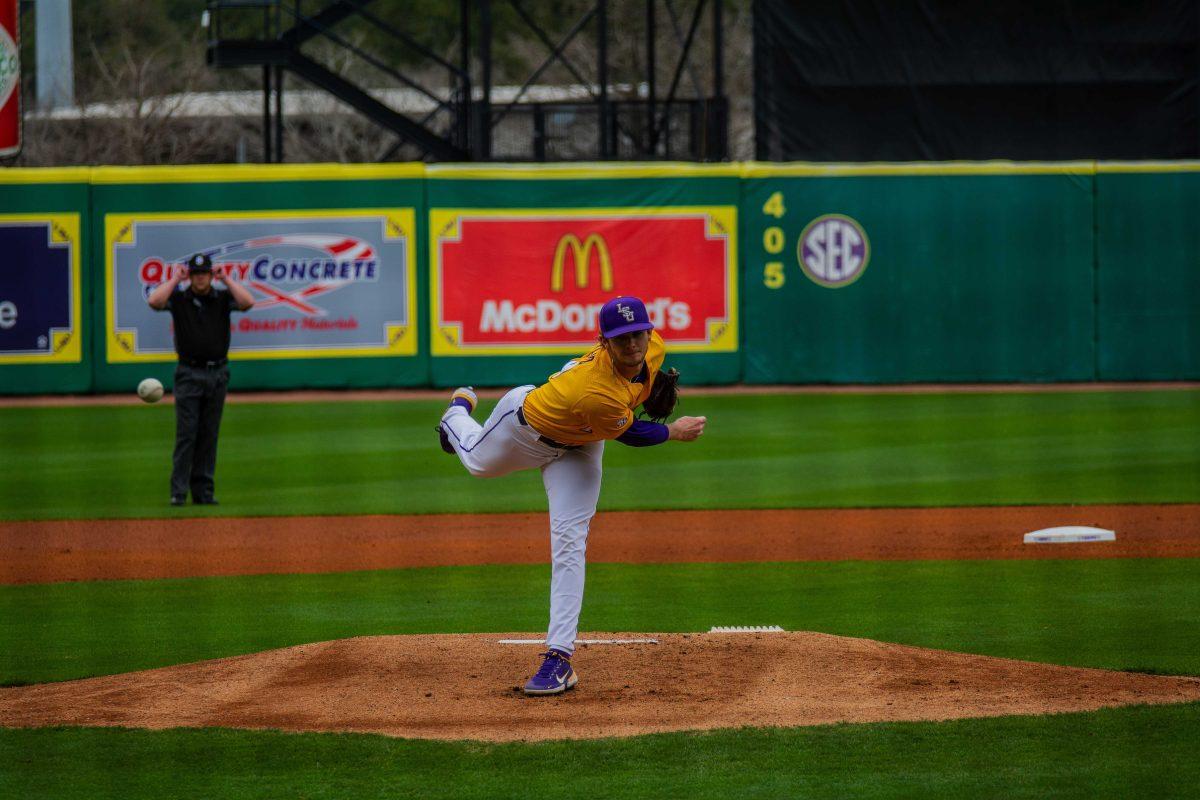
[201,320]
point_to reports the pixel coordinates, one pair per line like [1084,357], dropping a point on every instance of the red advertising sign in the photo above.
[10,79]
[520,282]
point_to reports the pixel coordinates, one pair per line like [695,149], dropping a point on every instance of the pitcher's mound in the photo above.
[466,687]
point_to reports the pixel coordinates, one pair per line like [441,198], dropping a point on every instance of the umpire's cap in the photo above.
[624,315]
[199,263]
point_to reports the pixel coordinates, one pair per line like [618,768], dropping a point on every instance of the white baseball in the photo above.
[150,390]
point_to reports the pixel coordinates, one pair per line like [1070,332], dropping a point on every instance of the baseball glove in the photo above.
[664,394]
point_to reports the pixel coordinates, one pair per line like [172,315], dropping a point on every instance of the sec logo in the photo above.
[833,250]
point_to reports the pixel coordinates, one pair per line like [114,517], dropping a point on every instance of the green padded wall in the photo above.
[972,273]
[868,273]
[210,196]
[513,195]
[48,210]
[1148,267]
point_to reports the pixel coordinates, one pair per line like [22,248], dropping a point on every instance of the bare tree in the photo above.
[133,109]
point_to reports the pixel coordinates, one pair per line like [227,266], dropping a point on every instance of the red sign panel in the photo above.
[10,79]
[508,282]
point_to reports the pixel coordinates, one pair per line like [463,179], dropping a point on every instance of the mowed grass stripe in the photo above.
[1112,614]
[760,451]
[1129,752]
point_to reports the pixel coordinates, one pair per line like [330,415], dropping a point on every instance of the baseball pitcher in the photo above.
[560,428]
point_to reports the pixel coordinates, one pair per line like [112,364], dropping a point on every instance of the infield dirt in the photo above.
[459,686]
[466,687]
[79,550]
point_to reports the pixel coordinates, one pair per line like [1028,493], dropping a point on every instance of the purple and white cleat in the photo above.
[555,675]
[465,396]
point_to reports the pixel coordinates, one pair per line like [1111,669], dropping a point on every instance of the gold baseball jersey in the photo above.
[590,401]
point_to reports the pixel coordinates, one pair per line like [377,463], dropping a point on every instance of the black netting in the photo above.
[868,80]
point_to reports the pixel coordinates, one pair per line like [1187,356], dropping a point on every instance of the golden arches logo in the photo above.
[582,252]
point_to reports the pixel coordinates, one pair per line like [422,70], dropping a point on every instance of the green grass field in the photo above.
[765,451]
[1122,753]
[1114,614]
[759,452]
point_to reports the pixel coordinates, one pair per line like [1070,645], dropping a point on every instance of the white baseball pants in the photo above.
[572,480]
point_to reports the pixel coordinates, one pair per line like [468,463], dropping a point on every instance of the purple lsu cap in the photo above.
[623,315]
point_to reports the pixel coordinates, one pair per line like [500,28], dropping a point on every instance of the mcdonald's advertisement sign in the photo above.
[531,282]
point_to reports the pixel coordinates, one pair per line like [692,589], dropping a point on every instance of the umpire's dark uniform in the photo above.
[202,342]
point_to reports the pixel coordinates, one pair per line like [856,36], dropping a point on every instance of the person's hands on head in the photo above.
[218,273]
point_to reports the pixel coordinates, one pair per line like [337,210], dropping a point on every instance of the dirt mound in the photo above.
[465,687]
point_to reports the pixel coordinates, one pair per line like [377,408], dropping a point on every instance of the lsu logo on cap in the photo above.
[626,312]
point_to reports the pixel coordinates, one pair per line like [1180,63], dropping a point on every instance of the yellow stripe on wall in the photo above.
[46,175]
[761,169]
[575,171]
[202,173]
[1148,166]
[198,173]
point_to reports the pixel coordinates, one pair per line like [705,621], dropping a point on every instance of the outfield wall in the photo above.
[1148,271]
[893,274]
[337,330]
[570,237]
[46,323]
[415,275]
